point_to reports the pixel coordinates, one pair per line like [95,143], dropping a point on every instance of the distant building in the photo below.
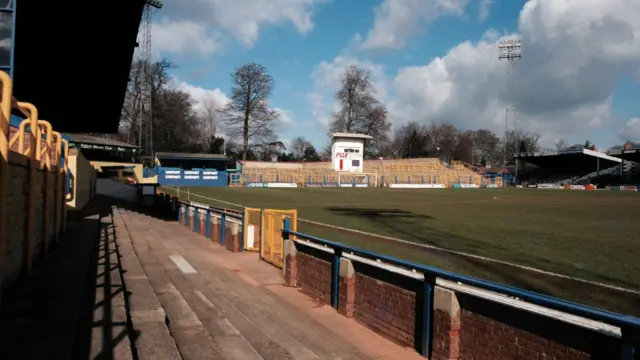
[347,151]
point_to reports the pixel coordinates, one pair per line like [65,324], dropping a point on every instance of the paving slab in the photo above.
[241,302]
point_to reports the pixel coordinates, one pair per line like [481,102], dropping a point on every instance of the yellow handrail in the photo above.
[33,118]
[5,117]
[47,177]
[59,199]
[66,171]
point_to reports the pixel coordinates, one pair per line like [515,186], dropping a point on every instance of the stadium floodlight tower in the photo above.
[511,51]
[347,155]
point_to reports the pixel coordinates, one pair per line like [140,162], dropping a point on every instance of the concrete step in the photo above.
[304,338]
[152,337]
[191,337]
[111,339]
[226,337]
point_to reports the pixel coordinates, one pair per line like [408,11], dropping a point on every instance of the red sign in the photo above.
[342,155]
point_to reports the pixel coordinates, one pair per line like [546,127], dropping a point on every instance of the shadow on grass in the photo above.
[568,289]
[417,228]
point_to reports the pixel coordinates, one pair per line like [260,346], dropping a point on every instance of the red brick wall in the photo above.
[464,326]
[481,337]
[385,308]
[313,276]
[446,336]
[14,131]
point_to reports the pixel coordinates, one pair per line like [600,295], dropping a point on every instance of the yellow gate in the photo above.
[272,244]
[252,229]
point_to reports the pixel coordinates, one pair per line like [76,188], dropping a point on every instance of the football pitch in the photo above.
[592,236]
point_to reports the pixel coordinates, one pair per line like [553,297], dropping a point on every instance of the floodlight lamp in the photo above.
[154,3]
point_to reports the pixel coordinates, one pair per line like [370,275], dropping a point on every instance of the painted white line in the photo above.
[459,253]
[182,264]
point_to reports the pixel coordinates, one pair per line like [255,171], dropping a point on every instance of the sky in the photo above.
[431,61]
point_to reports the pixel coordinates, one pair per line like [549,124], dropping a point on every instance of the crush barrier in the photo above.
[444,315]
[252,221]
[257,230]
[271,243]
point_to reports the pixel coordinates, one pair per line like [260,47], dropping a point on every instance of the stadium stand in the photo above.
[630,158]
[403,171]
[572,167]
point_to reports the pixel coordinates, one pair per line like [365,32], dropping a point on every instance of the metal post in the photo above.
[196,218]
[207,226]
[223,227]
[261,237]
[335,277]
[286,227]
[427,309]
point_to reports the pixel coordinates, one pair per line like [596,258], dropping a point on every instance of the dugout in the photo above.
[187,161]
[100,149]
[183,169]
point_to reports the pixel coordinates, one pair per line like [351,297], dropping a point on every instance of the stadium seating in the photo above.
[402,171]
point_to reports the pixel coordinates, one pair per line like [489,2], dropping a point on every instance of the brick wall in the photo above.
[313,275]
[465,327]
[385,308]
[13,131]
[16,222]
[492,330]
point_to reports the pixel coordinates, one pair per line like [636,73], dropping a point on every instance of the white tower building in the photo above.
[347,151]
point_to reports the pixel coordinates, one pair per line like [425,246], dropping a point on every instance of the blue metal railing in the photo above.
[629,325]
[208,211]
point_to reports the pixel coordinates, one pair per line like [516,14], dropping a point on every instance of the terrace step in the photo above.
[148,318]
[190,336]
[242,320]
[269,313]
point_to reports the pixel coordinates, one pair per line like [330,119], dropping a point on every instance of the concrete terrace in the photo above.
[160,291]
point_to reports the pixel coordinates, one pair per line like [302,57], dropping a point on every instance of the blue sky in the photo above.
[431,60]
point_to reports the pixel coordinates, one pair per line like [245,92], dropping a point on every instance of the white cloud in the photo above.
[631,130]
[5,44]
[286,117]
[485,9]
[169,36]
[398,20]
[575,52]
[242,19]
[201,96]
[218,99]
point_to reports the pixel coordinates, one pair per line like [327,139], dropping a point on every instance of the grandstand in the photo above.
[630,158]
[572,167]
[376,173]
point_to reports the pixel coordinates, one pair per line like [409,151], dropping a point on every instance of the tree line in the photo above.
[175,124]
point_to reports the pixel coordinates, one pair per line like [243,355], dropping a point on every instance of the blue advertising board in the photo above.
[199,177]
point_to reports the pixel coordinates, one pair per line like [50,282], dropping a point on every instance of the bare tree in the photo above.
[297,147]
[248,113]
[410,141]
[561,145]
[464,147]
[207,122]
[486,146]
[360,112]
[443,138]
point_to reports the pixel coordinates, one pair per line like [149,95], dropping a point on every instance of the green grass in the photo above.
[588,235]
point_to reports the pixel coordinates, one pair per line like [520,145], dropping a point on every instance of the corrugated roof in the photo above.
[351,135]
[167,155]
[85,139]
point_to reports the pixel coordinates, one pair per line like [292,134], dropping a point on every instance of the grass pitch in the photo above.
[587,235]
